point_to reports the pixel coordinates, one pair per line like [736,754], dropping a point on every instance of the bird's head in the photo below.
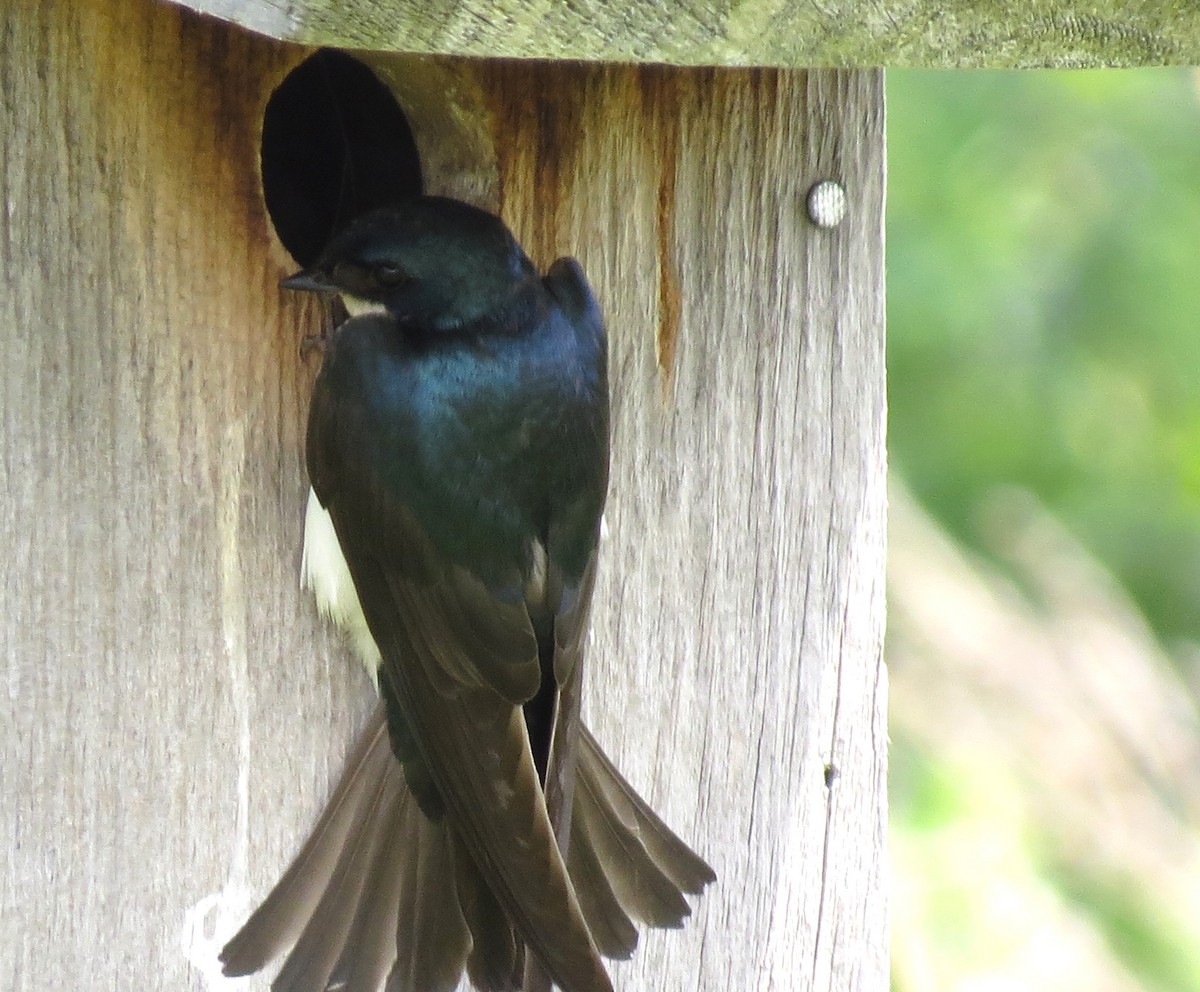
[433,261]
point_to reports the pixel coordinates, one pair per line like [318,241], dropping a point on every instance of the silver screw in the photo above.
[826,203]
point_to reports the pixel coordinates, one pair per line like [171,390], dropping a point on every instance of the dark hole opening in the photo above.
[335,143]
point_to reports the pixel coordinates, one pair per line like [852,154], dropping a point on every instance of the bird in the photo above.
[458,454]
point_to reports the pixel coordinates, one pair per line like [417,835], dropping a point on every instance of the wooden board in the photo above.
[943,33]
[174,709]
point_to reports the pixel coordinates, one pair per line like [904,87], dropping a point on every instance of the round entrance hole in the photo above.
[335,143]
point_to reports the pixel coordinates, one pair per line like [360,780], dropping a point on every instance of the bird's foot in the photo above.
[315,342]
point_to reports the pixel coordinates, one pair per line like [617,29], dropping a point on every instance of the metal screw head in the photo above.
[826,203]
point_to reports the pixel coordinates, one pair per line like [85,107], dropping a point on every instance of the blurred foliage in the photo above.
[1044,332]
[1044,310]
[981,902]
[971,910]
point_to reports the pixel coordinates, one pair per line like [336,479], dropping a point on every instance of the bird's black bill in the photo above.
[307,281]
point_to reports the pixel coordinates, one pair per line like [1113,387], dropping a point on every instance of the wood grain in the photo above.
[942,33]
[738,624]
[174,710]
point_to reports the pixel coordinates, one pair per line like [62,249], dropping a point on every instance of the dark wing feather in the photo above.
[309,967]
[567,284]
[277,924]
[457,662]
[575,531]
[409,926]
[618,802]
[478,755]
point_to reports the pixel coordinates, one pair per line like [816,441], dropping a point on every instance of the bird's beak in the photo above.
[309,281]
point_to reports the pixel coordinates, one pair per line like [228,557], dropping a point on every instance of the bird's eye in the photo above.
[389,275]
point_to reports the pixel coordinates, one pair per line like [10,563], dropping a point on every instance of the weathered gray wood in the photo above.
[174,711]
[960,33]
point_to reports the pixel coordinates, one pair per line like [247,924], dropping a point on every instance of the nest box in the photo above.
[175,709]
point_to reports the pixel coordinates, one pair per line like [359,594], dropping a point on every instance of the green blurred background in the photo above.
[1044,333]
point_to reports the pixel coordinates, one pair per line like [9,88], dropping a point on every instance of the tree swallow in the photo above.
[458,454]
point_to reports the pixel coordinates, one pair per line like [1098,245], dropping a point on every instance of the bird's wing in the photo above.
[570,633]
[567,284]
[574,532]
[570,629]
[457,662]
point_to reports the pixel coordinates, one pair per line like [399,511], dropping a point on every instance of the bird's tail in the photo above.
[381,897]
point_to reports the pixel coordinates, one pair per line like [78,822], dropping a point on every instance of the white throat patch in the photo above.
[356,306]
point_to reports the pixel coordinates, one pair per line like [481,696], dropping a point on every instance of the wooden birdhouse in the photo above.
[176,709]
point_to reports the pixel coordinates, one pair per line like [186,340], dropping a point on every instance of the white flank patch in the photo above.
[323,569]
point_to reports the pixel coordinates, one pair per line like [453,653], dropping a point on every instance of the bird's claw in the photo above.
[314,342]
